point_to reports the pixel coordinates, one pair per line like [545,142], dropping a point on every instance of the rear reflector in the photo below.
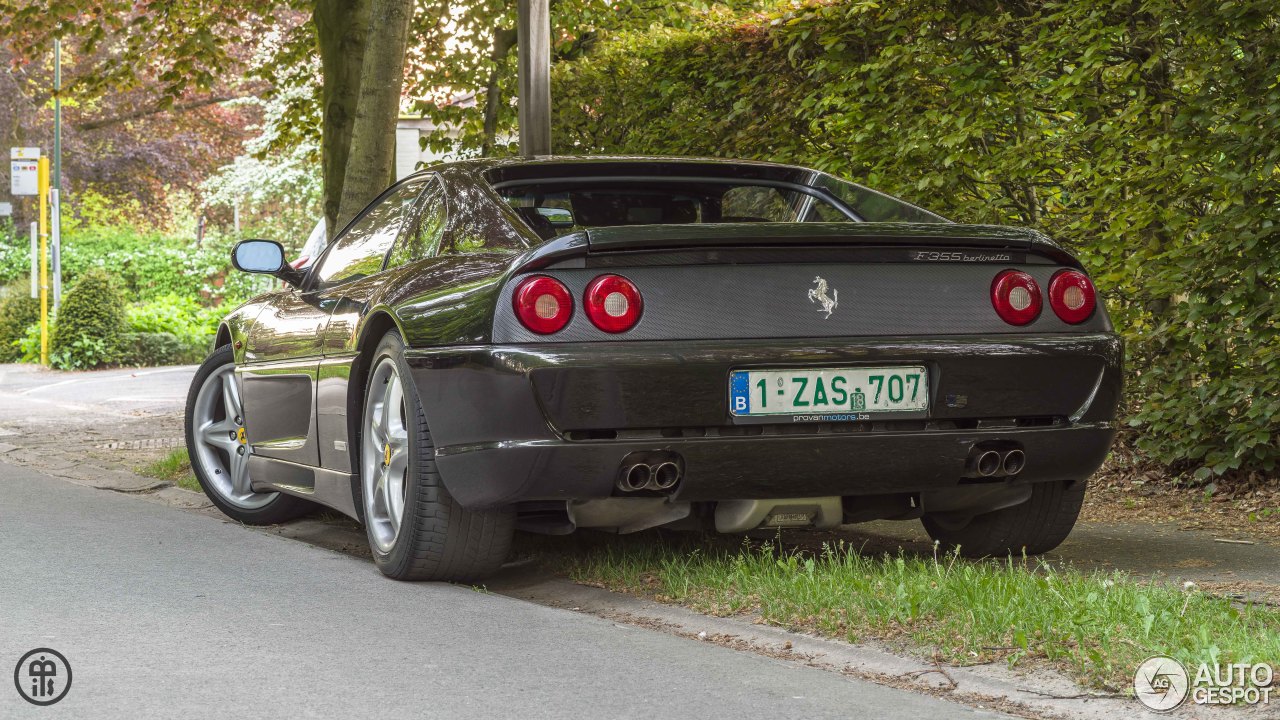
[1072,297]
[543,304]
[1016,297]
[613,303]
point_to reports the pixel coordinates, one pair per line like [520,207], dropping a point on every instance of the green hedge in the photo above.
[149,349]
[147,264]
[170,330]
[89,324]
[1142,135]
[17,311]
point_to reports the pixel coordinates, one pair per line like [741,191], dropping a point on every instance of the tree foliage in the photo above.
[1141,134]
[178,53]
[466,83]
[120,144]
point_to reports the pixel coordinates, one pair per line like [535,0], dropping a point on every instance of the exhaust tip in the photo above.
[634,478]
[665,475]
[988,463]
[1013,462]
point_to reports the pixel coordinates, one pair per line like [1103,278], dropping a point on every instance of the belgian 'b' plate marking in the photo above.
[829,393]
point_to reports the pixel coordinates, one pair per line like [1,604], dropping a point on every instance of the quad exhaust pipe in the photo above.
[660,476]
[989,462]
[1013,462]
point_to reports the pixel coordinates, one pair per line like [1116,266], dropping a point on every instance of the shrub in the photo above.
[29,344]
[169,330]
[89,323]
[158,348]
[17,311]
[15,252]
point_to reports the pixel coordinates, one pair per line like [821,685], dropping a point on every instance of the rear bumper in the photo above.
[554,421]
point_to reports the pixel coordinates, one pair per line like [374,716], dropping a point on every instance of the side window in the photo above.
[822,212]
[754,203]
[362,248]
[424,240]
[476,228]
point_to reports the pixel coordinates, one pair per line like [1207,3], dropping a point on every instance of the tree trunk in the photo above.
[342,27]
[371,159]
[504,39]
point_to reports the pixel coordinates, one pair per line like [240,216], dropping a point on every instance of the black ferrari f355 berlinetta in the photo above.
[627,343]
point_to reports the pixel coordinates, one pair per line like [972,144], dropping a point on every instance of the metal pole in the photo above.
[57,114]
[56,199]
[42,175]
[55,226]
[35,260]
[533,33]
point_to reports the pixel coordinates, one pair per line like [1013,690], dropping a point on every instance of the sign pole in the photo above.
[55,233]
[44,259]
[35,260]
[56,183]
[57,114]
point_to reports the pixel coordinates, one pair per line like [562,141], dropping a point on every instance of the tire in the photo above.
[219,453]
[1036,526]
[433,537]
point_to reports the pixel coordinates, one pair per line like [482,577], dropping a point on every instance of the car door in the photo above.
[285,346]
[277,378]
[344,286]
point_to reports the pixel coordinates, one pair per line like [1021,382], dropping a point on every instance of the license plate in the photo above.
[829,393]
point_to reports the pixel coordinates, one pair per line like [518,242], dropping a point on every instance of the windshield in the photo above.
[557,206]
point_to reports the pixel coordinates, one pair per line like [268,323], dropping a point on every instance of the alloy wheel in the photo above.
[385,455]
[221,448]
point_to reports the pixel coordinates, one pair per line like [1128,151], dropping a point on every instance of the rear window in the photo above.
[563,205]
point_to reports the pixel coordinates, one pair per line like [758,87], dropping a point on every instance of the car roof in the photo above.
[511,161]
[517,171]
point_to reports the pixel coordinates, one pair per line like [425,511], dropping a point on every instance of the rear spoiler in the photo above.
[720,235]
[710,236]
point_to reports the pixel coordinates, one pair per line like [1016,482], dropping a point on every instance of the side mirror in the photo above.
[265,257]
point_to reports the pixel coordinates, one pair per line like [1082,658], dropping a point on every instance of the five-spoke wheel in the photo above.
[416,530]
[384,455]
[219,448]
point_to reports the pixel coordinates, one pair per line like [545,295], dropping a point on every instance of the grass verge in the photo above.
[174,467]
[1096,626]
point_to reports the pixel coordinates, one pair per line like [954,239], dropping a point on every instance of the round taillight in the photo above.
[613,303]
[1072,297]
[1016,297]
[543,304]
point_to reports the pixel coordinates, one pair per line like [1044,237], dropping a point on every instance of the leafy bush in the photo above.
[15,253]
[1141,138]
[89,323]
[149,349]
[17,311]
[29,344]
[169,330]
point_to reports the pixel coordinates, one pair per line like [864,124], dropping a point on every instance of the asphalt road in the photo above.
[166,613]
[34,395]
